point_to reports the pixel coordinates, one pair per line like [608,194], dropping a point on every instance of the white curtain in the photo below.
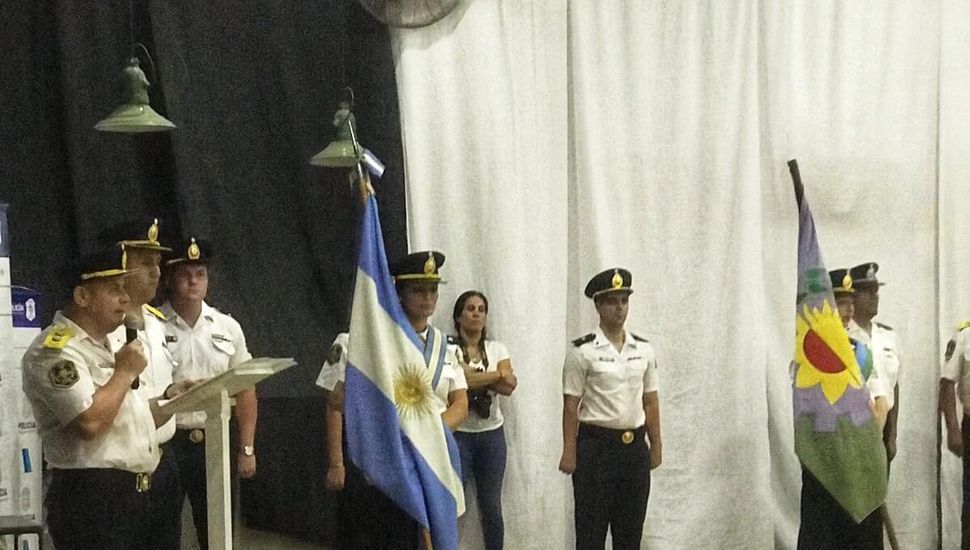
[546,141]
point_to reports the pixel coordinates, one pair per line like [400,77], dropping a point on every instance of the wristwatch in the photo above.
[248,450]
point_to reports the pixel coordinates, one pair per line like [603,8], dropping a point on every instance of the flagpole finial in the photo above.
[796,179]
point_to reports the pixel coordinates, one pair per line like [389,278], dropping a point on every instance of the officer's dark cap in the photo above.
[615,279]
[841,282]
[100,265]
[192,251]
[864,275]
[140,233]
[418,266]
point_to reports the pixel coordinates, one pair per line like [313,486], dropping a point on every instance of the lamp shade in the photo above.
[135,116]
[342,152]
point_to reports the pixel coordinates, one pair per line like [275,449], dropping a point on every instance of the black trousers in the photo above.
[98,509]
[965,515]
[825,525]
[165,497]
[611,486]
[190,457]
[371,521]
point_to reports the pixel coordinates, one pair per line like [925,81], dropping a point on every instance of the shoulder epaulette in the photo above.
[639,338]
[963,325]
[883,325]
[452,340]
[155,312]
[58,337]
[584,339]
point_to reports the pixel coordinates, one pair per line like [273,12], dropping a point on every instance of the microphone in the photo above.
[132,326]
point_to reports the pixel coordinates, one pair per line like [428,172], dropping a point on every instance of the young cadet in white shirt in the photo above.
[609,405]
[955,380]
[142,253]
[205,343]
[882,341]
[99,434]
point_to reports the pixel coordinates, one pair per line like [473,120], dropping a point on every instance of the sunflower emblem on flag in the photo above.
[824,354]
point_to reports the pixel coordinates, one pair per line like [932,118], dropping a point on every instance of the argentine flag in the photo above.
[395,433]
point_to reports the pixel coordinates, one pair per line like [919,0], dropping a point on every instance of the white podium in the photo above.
[214,397]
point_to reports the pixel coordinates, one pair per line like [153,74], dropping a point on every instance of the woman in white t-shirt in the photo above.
[481,438]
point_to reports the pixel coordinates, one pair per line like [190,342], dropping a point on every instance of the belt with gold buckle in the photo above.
[143,482]
[627,437]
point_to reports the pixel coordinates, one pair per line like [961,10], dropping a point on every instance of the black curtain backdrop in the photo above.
[252,86]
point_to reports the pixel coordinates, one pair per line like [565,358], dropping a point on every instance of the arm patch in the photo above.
[951,346]
[63,374]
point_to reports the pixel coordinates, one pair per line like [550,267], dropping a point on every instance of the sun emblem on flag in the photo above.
[412,390]
[824,354]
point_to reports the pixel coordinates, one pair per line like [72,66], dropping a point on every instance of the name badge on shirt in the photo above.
[606,359]
[171,338]
[221,338]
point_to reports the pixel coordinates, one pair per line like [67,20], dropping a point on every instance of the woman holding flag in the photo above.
[416,280]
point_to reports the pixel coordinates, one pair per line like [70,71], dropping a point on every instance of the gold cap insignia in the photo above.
[617,280]
[194,251]
[847,282]
[429,264]
[153,231]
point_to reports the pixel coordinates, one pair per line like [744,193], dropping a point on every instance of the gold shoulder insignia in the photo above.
[155,312]
[58,337]
[963,325]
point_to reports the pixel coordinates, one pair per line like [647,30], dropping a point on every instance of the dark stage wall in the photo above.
[252,85]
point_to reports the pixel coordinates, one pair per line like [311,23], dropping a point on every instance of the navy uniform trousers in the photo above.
[825,525]
[103,509]
[965,516]
[611,486]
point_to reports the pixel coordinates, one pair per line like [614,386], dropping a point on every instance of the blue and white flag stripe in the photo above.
[404,448]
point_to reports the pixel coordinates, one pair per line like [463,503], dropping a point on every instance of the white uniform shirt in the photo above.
[496,352]
[452,376]
[130,443]
[610,383]
[956,366]
[885,355]
[158,374]
[333,369]
[214,345]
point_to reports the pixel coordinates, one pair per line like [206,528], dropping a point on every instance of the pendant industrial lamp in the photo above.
[135,115]
[345,151]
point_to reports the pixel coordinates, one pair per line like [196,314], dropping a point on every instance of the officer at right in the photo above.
[610,409]
[955,380]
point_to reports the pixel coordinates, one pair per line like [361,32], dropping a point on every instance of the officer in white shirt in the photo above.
[331,373]
[205,343]
[882,341]
[956,380]
[142,253]
[609,405]
[99,434]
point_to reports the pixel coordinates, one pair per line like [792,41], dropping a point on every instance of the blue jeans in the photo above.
[483,457]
